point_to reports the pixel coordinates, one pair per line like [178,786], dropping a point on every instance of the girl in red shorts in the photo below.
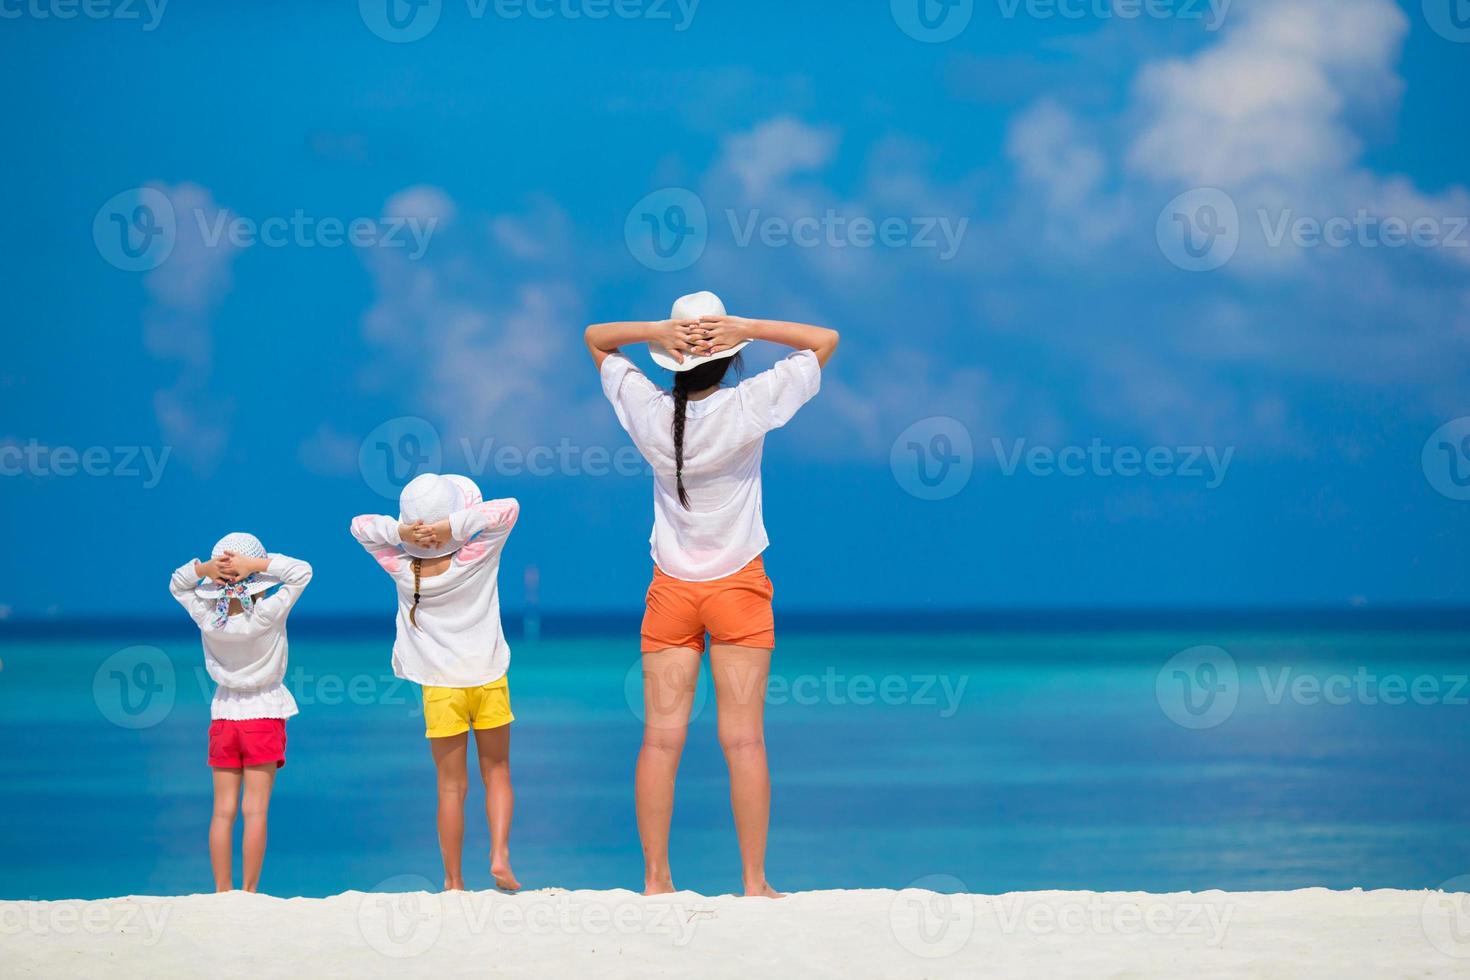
[244,634]
[704,443]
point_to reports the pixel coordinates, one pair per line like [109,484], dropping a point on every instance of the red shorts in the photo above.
[236,744]
[735,609]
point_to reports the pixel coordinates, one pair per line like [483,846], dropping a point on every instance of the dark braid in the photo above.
[707,375]
[681,408]
[413,610]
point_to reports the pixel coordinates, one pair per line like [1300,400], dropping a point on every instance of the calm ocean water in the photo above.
[1008,760]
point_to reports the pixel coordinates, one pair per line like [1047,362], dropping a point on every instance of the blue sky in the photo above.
[1293,414]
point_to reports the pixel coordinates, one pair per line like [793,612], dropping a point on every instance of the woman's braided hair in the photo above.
[413,610]
[707,375]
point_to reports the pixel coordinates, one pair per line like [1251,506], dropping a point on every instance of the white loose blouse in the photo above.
[722,530]
[246,657]
[458,641]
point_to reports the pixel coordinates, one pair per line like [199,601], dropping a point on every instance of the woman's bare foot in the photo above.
[658,886]
[453,884]
[505,878]
[761,889]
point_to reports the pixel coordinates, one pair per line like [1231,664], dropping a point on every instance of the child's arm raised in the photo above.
[476,527]
[383,538]
[294,574]
[183,581]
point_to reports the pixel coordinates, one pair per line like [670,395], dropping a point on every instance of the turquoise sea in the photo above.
[1160,757]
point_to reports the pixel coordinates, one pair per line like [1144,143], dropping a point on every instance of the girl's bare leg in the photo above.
[669,680]
[258,783]
[740,690]
[449,761]
[493,745]
[222,826]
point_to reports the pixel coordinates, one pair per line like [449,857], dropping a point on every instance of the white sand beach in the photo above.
[870,933]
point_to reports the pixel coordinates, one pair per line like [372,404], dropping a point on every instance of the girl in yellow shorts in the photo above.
[443,552]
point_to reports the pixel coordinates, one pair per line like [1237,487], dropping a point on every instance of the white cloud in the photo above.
[775,151]
[178,325]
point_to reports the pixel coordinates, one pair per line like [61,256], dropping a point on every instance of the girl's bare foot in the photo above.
[505,879]
[453,884]
[658,886]
[761,889]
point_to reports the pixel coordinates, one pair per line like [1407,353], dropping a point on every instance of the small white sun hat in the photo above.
[692,307]
[432,498]
[245,545]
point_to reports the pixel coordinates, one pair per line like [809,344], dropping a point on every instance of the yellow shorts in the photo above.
[450,711]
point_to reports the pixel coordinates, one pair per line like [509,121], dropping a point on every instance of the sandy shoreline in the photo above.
[868,933]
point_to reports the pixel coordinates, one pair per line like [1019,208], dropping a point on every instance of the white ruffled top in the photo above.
[247,656]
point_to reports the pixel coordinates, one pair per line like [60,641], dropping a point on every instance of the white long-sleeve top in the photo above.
[722,528]
[458,641]
[247,656]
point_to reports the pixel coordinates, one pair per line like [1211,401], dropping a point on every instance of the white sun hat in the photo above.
[431,498]
[247,546]
[692,307]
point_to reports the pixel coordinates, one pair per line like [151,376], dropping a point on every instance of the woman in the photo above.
[704,443]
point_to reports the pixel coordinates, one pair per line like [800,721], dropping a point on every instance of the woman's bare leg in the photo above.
[740,690]
[222,826]
[669,680]
[449,761]
[258,783]
[493,745]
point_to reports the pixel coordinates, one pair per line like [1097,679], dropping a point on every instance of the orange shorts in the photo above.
[735,609]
